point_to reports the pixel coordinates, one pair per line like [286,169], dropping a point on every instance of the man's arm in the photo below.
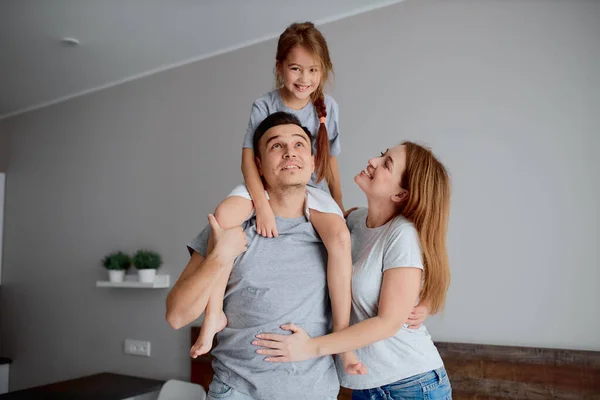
[189,296]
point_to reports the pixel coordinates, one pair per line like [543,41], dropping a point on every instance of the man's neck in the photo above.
[288,202]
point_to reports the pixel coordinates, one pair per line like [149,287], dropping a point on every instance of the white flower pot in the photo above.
[116,275]
[146,275]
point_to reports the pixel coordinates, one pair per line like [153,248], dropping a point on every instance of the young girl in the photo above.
[302,68]
[399,254]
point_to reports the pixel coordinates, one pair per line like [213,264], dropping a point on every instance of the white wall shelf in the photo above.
[131,281]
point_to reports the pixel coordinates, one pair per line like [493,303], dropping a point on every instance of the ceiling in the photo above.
[122,40]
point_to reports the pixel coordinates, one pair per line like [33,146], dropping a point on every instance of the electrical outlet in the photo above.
[137,347]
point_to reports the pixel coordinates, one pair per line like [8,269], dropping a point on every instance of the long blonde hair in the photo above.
[310,38]
[428,208]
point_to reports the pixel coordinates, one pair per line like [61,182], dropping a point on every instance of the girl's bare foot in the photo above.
[210,326]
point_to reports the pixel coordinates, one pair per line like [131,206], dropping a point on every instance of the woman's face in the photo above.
[381,178]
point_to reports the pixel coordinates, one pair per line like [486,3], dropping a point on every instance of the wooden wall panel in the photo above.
[505,372]
[493,372]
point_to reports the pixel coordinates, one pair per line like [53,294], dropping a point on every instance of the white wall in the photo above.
[506,93]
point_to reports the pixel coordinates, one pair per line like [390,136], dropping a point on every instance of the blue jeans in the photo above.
[432,385]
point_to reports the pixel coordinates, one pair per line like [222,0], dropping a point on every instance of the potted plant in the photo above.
[116,263]
[146,262]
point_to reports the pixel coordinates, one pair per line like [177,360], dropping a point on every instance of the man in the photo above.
[274,282]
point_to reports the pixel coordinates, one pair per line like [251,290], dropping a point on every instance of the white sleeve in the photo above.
[322,201]
[403,248]
[241,191]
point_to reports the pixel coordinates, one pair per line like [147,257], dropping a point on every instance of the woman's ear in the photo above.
[401,196]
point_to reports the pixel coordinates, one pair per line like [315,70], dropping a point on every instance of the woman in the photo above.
[399,259]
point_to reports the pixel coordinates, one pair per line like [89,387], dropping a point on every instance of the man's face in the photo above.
[285,157]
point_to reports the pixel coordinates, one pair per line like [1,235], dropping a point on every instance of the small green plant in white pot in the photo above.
[146,262]
[116,263]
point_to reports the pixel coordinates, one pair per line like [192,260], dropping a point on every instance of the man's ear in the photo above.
[258,165]
[312,162]
[401,196]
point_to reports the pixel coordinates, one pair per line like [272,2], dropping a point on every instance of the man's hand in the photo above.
[417,316]
[229,243]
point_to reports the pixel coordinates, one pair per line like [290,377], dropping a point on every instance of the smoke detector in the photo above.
[69,41]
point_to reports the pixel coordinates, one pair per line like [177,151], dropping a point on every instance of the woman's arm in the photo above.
[399,290]
[335,186]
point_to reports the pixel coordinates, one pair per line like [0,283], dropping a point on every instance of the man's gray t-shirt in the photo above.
[272,102]
[276,281]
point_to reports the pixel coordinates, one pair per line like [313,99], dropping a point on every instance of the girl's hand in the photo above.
[229,243]
[265,222]
[417,316]
[347,212]
[287,348]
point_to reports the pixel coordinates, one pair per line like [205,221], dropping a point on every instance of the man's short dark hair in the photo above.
[276,119]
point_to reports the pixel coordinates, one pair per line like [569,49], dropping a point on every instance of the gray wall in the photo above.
[3,148]
[3,166]
[506,93]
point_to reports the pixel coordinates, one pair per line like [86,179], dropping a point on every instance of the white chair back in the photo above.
[180,390]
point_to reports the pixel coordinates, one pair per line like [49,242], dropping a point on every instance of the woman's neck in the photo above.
[380,213]
[291,101]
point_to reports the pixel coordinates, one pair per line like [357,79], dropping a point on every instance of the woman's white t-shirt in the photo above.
[410,351]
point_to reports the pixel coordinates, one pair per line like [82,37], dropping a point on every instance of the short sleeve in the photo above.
[403,248]
[333,131]
[258,113]
[200,243]
[322,201]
